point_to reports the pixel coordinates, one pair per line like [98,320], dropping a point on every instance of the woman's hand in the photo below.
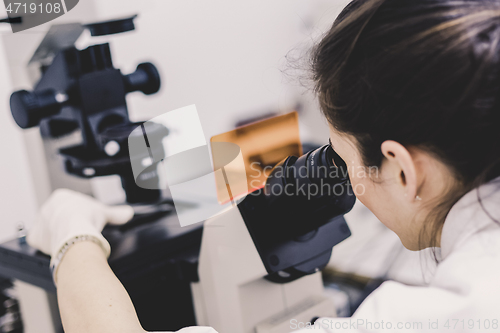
[68,214]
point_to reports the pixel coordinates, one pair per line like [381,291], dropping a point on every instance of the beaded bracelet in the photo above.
[56,260]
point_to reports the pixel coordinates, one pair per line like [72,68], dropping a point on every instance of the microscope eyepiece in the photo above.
[315,184]
[312,175]
[323,165]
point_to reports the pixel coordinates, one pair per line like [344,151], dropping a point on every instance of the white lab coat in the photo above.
[463,295]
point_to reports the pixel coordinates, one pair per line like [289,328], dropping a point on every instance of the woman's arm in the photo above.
[91,298]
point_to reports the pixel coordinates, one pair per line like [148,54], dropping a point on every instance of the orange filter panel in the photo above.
[262,144]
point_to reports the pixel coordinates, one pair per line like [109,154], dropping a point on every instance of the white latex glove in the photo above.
[68,214]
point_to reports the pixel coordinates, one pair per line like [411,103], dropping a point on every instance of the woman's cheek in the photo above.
[359,188]
[362,187]
[357,177]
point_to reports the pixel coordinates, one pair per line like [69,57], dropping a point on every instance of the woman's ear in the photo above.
[402,167]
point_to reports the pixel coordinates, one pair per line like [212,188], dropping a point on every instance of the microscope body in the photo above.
[233,295]
[253,281]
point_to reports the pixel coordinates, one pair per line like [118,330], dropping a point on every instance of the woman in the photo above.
[411,91]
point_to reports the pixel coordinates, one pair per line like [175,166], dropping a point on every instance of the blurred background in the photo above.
[235,60]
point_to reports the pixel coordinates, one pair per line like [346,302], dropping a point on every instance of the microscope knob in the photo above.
[146,79]
[29,108]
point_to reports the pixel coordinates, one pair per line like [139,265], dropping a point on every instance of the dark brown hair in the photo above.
[425,73]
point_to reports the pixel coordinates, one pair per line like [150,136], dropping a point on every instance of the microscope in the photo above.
[252,268]
[260,262]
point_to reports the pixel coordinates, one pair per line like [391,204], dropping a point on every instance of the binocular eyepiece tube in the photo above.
[311,178]
[297,218]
